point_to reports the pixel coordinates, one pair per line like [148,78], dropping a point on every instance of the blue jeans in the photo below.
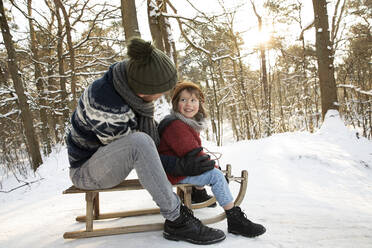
[111,164]
[216,179]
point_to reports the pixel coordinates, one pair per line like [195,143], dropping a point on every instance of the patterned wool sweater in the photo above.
[101,117]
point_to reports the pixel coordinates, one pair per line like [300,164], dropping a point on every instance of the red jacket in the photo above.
[178,139]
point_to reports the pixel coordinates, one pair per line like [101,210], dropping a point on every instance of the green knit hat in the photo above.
[149,70]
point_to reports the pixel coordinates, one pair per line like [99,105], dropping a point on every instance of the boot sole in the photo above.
[246,235]
[198,242]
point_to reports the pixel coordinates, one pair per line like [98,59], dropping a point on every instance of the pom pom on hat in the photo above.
[149,70]
[139,49]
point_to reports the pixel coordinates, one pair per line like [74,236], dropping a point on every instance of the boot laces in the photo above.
[191,219]
[242,217]
[190,216]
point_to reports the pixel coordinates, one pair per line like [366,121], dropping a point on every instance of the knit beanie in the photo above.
[186,85]
[149,70]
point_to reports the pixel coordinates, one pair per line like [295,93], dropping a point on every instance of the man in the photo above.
[113,131]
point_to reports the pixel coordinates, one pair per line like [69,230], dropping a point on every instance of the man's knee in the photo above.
[144,149]
[142,140]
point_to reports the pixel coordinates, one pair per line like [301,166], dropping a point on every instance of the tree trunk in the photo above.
[164,27]
[160,28]
[266,97]
[61,69]
[153,13]
[242,90]
[324,55]
[129,19]
[39,85]
[32,142]
[71,51]
[52,95]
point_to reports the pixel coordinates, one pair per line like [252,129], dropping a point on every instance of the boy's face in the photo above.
[150,98]
[188,104]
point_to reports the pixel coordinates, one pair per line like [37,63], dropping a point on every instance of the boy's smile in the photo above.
[188,105]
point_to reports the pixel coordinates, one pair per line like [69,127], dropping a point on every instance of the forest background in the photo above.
[266,66]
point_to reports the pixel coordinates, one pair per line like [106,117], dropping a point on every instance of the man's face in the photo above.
[150,98]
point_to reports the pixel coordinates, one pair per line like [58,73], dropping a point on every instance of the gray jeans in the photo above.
[112,163]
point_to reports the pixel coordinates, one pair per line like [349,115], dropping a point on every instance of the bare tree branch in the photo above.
[20,186]
[304,29]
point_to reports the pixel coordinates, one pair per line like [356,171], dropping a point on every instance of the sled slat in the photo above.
[121,214]
[183,190]
[113,231]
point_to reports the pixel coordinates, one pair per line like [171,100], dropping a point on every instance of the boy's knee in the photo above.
[218,172]
[217,175]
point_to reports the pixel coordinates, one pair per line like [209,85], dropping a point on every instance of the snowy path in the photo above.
[309,190]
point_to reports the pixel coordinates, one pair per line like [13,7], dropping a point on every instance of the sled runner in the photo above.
[183,190]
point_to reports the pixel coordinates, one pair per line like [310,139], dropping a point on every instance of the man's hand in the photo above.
[192,164]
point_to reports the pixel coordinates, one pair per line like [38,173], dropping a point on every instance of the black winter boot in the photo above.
[188,228]
[238,223]
[200,195]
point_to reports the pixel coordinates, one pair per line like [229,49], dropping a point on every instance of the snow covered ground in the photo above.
[309,190]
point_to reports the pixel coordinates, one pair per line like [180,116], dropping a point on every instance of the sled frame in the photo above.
[183,190]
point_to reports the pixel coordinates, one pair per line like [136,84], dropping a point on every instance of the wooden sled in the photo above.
[183,190]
